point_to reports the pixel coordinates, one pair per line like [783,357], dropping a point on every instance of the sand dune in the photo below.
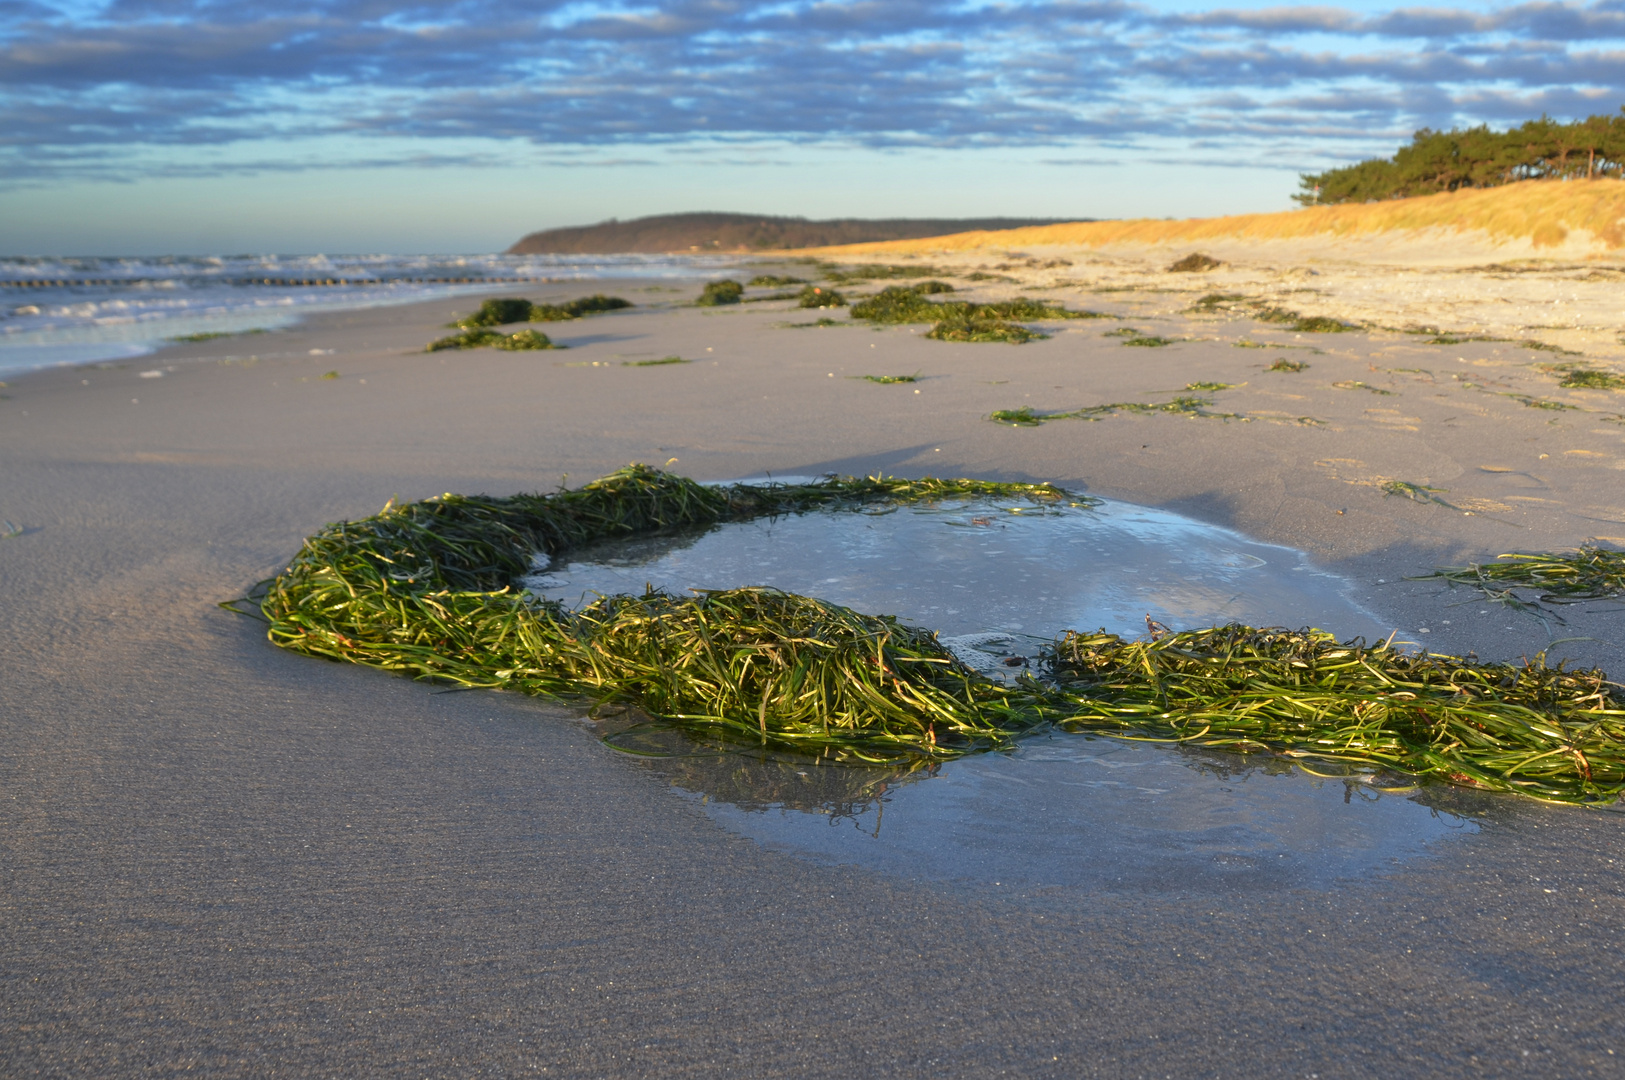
[1540,260]
[1546,219]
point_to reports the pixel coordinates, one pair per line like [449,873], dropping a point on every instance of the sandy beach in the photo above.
[219,857]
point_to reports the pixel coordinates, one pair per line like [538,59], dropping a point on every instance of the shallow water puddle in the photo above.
[1104,814]
[1060,810]
[992,579]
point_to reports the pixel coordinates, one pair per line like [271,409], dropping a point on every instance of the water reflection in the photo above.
[1069,811]
[756,780]
[1079,812]
[973,568]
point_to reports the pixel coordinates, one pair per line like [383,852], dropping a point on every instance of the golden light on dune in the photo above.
[1543,212]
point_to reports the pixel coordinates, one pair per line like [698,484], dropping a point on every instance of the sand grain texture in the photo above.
[215,856]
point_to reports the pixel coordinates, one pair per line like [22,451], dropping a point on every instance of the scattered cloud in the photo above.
[78,89]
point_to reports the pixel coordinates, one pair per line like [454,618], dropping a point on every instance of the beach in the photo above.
[219,856]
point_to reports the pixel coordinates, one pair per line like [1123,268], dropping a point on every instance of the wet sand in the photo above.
[218,856]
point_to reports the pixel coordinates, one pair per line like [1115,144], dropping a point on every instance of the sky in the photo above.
[229,126]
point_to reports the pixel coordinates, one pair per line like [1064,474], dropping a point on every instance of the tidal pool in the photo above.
[997,580]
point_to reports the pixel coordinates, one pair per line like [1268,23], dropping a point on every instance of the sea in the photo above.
[61,310]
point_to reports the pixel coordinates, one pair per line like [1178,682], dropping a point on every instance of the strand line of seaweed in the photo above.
[429,589]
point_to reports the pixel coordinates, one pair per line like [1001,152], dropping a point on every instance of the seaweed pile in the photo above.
[718,293]
[428,588]
[1194,263]
[1533,729]
[961,320]
[497,311]
[505,310]
[972,328]
[1583,377]
[475,337]
[815,296]
[476,329]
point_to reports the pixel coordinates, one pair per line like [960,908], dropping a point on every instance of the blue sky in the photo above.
[146,126]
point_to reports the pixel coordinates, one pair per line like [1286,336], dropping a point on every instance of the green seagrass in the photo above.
[429,588]
[1591,573]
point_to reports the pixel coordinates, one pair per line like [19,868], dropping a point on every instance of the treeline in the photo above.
[1477,157]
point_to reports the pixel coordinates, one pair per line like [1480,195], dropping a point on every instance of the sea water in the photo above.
[81,310]
[996,580]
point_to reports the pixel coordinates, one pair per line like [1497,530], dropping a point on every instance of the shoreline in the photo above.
[220,855]
[234,305]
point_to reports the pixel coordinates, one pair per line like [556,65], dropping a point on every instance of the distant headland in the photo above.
[747,232]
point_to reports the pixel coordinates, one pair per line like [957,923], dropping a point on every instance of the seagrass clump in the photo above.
[1576,377]
[1591,573]
[719,293]
[908,304]
[1320,324]
[984,330]
[596,304]
[960,320]
[1194,263]
[428,588]
[476,338]
[523,340]
[1538,730]
[817,296]
[1028,308]
[1303,324]
[498,311]
[506,310]
[897,304]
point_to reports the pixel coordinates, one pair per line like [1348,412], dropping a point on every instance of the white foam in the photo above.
[110,308]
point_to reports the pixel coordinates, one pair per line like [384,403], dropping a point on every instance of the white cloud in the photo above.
[78,91]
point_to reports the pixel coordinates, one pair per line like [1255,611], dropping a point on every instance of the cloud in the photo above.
[898,74]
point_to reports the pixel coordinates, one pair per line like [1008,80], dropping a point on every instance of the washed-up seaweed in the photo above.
[476,338]
[719,293]
[1539,730]
[1591,573]
[816,296]
[1183,405]
[429,588]
[506,310]
[908,304]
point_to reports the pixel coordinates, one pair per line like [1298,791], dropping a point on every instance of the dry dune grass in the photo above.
[1542,213]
